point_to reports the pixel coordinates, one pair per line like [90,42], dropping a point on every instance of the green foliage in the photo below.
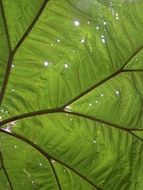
[71,101]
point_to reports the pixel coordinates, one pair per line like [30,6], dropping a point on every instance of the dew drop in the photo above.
[94,141]
[77,23]
[82,41]
[68,108]
[46,63]
[111,3]
[103,41]
[66,66]
[113,11]
[58,40]
[40,164]
[53,161]
[117,92]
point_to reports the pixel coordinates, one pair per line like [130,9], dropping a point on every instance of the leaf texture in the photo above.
[71,98]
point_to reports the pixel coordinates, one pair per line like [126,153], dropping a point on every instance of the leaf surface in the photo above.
[71,96]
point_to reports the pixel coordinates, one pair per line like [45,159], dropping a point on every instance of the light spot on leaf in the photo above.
[77,23]
[68,108]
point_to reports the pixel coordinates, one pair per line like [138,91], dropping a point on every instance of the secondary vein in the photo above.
[4,169]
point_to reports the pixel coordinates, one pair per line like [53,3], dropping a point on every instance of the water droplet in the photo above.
[82,41]
[111,3]
[46,63]
[34,184]
[40,164]
[77,23]
[113,12]
[53,161]
[66,66]
[103,41]
[117,92]
[68,108]
[94,141]
[58,40]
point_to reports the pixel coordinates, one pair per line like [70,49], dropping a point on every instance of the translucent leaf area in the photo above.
[71,95]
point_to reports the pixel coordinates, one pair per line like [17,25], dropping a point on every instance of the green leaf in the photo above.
[71,101]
